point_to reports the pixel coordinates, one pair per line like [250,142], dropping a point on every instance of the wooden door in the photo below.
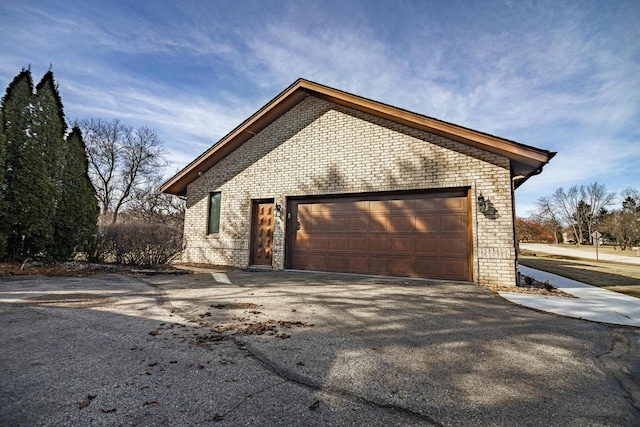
[262,233]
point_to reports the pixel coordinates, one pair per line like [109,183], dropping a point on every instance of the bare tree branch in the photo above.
[121,160]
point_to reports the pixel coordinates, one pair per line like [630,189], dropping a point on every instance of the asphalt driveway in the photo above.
[290,348]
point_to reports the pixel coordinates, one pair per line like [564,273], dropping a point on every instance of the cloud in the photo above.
[565,78]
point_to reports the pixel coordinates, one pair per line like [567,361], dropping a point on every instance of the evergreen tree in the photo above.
[76,221]
[3,220]
[49,128]
[25,220]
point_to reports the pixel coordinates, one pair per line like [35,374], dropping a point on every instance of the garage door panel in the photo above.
[454,223]
[400,266]
[379,223]
[359,223]
[361,206]
[379,206]
[405,245]
[428,205]
[305,210]
[427,245]
[423,235]
[337,263]
[314,241]
[454,204]
[321,209]
[358,264]
[427,223]
[405,205]
[453,245]
[359,244]
[317,261]
[338,243]
[310,261]
[428,267]
[339,224]
[454,268]
[337,208]
[403,223]
[379,243]
[320,224]
[378,265]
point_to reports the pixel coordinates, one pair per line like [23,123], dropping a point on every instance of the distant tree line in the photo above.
[91,190]
[579,211]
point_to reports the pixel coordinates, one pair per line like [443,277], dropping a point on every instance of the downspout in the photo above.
[476,233]
[516,243]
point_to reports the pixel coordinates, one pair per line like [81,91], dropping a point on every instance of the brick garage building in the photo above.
[320,179]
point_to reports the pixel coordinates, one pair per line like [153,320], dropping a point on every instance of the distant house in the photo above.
[320,179]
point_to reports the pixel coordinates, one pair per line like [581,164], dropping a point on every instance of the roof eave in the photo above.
[533,158]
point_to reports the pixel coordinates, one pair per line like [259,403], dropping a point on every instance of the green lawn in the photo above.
[623,278]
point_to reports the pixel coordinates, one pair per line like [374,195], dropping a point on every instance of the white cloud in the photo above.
[546,76]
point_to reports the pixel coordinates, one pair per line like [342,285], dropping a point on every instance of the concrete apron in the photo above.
[591,303]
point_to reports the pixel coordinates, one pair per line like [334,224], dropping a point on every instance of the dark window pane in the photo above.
[214,213]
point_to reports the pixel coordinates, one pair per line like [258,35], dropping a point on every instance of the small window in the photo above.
[214,213]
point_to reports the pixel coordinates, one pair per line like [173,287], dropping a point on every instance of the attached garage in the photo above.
[324,180]
[411,235]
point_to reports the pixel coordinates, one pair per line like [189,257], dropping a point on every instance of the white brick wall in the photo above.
[323,148]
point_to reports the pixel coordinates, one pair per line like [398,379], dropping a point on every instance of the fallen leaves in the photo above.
[245,326]
[87,402]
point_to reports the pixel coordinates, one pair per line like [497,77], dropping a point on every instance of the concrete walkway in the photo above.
[592,303]
[578,253]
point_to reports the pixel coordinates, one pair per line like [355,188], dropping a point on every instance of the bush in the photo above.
[137,243]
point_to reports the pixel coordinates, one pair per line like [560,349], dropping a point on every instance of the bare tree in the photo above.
[567,206]
[121,161]
[149,205]
[597,199]
[623,225]
[547,216]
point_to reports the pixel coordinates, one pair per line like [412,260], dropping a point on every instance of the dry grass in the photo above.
[623,278]
[601,249]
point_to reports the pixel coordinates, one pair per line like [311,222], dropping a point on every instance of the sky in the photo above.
[558,75]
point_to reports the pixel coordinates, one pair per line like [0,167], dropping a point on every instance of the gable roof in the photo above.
[526,161]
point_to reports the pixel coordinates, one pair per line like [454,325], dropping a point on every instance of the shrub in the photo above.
[138,243]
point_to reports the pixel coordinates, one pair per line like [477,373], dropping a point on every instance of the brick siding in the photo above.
[318,148]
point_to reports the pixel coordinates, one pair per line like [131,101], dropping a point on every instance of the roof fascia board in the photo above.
[477,139]
[300,89]
[243,132]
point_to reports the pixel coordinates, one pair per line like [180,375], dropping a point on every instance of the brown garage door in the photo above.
[415,235]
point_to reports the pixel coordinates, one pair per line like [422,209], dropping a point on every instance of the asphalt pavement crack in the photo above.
[285,374]
[247,397]
[295,378]
[616,361]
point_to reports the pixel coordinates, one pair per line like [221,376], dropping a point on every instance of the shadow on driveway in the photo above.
[328,350]
[452,352]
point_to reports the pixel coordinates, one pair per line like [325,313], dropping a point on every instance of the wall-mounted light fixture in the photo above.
[278,210]
[482,204]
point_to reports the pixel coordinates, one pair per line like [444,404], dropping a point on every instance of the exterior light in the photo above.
[482,204]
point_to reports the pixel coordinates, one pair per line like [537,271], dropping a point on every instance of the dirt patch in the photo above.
[533,291]
[245,326]
[72,300]
[77,269]
[529,285]
[235,306]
